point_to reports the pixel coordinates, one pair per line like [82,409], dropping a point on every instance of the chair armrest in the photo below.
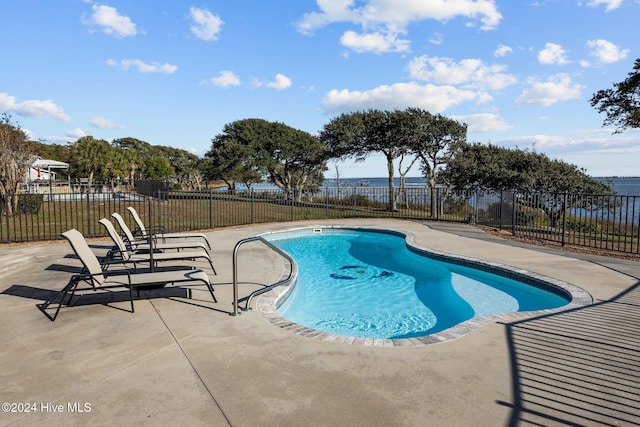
[86,277]
[157,229]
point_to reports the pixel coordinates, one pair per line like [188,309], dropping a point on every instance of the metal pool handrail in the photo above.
[266,288]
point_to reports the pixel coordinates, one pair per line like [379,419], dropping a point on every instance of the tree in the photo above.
[133,164]
[88,158]
[16,156]
[185,166]
[403,171]
[231,161]
[362,133]
[157,168]
[249,149]
[622,104]
[294,159]
[134,161]
[143,149]
[480,166]
[538,179]
[116,165]
[437,137]
[232,157]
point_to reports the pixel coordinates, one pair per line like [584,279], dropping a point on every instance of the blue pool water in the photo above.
[370,284]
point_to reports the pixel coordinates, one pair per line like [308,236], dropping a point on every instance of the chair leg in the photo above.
[211,292]
[64,294]
[71,286]
[212,267]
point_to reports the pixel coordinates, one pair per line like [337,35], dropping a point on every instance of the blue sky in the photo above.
[519,73]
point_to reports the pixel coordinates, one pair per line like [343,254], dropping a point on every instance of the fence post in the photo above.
[88,234]
[253,205]
[6,214]
[150,212]
[564,218]
[210,209]
[634,211]
[424,200]
[326,202]
[354,205]
[500,211]
[159,206]
[514,216]
[475,210]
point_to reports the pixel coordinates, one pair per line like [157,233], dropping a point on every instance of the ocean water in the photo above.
[624,186]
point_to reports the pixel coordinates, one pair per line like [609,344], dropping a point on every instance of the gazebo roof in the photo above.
[49,164]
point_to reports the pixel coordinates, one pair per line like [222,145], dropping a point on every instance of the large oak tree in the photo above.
[359,134]
[622,102]
[436,139]
[248,150]
[396,135]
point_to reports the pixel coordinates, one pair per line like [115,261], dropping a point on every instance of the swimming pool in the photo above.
[372,284]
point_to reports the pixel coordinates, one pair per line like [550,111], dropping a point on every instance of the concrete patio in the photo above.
[179,361]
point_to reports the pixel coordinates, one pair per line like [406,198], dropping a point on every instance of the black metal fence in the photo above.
[608,222]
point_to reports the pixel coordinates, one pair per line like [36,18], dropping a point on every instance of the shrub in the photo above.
[30,203]
[587,226]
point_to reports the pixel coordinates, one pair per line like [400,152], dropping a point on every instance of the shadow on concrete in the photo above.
[579,367]
[66,268]
[104,296]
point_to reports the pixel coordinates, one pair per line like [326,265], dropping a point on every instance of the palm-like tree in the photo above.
[88,158]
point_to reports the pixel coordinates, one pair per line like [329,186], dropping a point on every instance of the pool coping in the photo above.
[267,303]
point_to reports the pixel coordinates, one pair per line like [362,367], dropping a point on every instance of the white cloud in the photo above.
[399,95]
[587,142]
[552,54]
[103,123]
[281,82]
[142,66]
[111,22]
[484,122]
[606,52]
[76,133]
[225,79]
[437,39]
[33,108]
[502,51]
[470,73]
[398,14]
[609,4]
[374,42]
[206,25]
[557,88]
[383,20]
[330,11]
[29,133]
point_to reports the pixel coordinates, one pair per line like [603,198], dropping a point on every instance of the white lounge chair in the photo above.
[121,252]
[95,278]
[159,231]
[143,244]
